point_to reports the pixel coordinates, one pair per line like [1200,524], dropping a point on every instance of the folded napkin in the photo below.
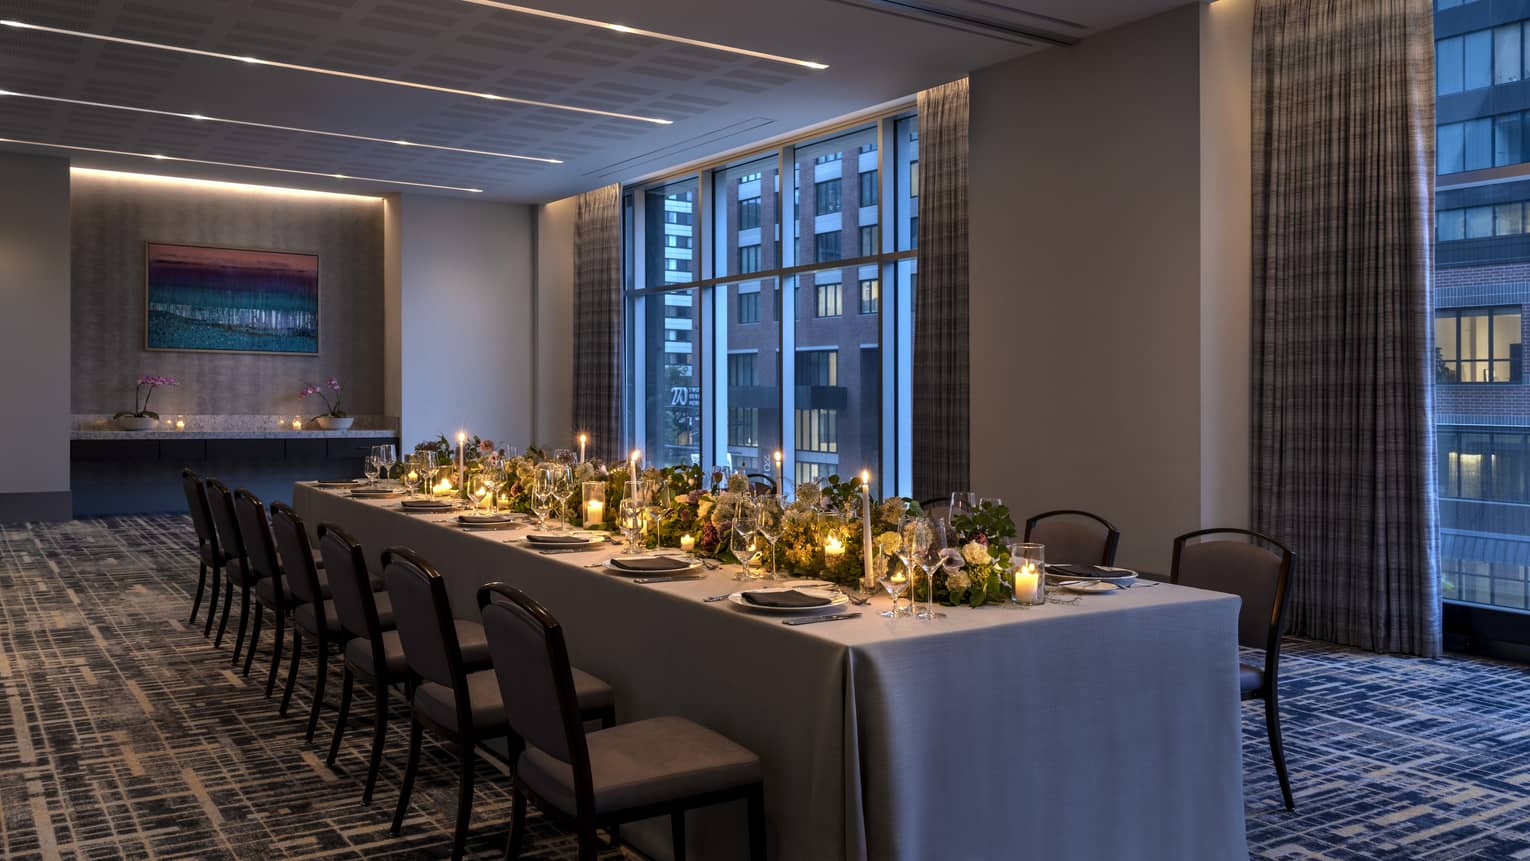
[789,598]
[373,491]
[648,564]
[426,503]
[348,482]
[558,538]
[1091,572]
[486,518]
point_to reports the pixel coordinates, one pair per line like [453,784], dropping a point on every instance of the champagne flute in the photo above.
[771,516]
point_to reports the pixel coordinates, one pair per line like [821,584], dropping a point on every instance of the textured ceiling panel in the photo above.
[716,100]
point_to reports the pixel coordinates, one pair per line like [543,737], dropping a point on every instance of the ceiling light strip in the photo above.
[204,118]
[622,28]
[218,183]
[156,157]
[317,70]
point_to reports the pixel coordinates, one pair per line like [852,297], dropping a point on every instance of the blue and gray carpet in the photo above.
[123,734]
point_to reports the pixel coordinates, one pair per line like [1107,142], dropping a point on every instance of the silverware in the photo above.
[668,578]
[713,599]
[553,551]
[810,620]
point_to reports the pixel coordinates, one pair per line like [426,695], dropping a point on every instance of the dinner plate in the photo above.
[349,482]
[490,526]
[430,505]
[489,519]
[836,599]
[1097,587]
[378,493]
[690,565]
[1105,575]
[592,539]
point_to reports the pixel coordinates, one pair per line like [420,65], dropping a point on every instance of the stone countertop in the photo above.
[353,433]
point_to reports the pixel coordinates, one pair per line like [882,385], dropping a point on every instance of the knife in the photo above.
[668,578]
[834,617]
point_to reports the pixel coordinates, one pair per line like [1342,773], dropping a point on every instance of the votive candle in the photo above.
[687,542]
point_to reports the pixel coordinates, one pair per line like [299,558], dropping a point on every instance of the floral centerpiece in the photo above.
[141,417]
[985,558]
[333,417]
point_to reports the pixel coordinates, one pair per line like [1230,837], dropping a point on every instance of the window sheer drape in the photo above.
[598,320]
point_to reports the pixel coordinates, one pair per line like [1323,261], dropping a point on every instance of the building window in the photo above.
[743,426]
[826,196]
[1477,345]
[871,299]
[828,157]
[748,213]
[870,239]
[818,431]
[826,246]
[817,367]
[749,307]
[741,369]
[815,471]
[913,179]
[748,259]
[869,188]
[827,300]
[913,232]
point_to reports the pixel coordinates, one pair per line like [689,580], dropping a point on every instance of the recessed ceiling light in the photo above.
[623,28]
[297,129]
[318,70]
[158,157]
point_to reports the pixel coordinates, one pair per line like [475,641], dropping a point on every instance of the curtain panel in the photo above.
[598,320]
[942,435]
[1343,440]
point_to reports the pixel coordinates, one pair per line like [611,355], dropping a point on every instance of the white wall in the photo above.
[466,323]
[555,323]
[1109,279]
[34,337]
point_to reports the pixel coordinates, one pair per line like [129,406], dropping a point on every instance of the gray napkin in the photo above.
[649,564]
[535,538]
[791,598]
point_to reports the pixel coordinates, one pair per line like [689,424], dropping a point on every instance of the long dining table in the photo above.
[1108,728]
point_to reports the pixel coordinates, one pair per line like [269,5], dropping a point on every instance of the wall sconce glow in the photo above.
[157,157]
[297,129]
[623,28]
[336,73]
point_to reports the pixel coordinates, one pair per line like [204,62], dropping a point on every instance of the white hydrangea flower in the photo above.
[976,553]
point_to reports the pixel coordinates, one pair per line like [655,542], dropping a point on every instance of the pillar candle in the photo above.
[868,576]
[583,438]
[461,460]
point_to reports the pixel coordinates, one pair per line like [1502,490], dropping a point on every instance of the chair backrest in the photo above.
[297,557]
[938,507]
[1074,537]
[1240,565]
[761,484]
[350,585]
[423,616]
[230,538]
[255,528]
[535,677]
[201,514]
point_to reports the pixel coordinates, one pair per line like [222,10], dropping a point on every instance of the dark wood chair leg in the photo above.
[292,669]
[249,655]
[757,823]
[589,843]
[677,834]
[196,602]
[347,682]
[416,730]
[379,736]
[228,602]
[276,651]
[517,822]
[464,800]
[244,625]
[318,686]
[1277,750]
[212,600]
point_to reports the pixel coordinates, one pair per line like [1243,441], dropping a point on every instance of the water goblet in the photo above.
[746,538]
[895,581]
[387,456]
[370,469]
[629,516]
[771,517]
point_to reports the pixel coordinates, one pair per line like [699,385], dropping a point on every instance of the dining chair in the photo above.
[314,612]
[938,507]
[236,570]
[588,780]
[761,484]
[209,553]
[1074,537]
[266,583]
[462,707]
[1257,569]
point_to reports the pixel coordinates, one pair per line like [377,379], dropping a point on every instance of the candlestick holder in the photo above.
[1028,573]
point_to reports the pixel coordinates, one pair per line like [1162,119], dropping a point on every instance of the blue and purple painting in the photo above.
[231,300]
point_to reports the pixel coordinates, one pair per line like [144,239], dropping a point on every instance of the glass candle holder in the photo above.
[835,537]
[594,503]
[1028,573]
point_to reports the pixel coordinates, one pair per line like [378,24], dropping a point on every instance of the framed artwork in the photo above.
[230,300]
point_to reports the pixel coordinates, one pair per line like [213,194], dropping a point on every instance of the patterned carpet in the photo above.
[140,743]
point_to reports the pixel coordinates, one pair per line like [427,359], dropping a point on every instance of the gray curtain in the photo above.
[598,320]
[1343,442]
[942,423]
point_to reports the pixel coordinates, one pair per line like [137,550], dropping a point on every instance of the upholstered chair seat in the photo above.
[475,649]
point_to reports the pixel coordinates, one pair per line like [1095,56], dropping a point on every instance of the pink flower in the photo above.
[334,384]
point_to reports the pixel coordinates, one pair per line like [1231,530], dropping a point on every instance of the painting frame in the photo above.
[149,245]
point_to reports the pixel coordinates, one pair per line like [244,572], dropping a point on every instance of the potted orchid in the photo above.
[333,417]
[141,417]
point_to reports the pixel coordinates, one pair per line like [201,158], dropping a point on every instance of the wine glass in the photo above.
[369,468]
[411,476]
[425,466]
[771,515]
[917,537]
[490,480]
[571,490]
[932,557]
[963,503]
[661,502]
[745,536]
[895,581]
[543,488]
[629,516]
[387,456]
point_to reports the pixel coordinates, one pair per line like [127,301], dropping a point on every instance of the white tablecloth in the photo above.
[1108,729]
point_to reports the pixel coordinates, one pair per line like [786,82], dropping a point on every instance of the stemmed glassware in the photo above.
[543,490]
[570,490]
[771,515]
[490,480]
[918,536]
[896,582]
[932,558]
[963,502]
[425,467]
[387,456]
[745,536]
[661,501]
[629,516]
[370,468]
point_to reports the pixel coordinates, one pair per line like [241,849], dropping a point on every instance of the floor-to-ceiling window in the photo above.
[770,307]
[1482,288]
